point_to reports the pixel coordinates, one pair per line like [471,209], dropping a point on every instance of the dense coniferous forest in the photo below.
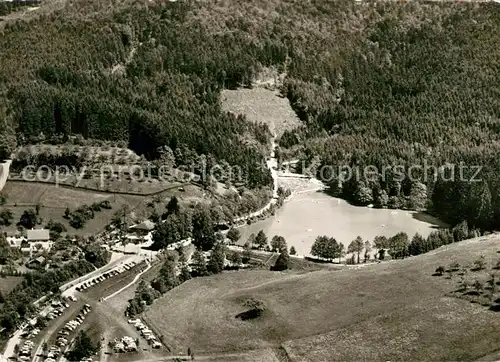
[374,84]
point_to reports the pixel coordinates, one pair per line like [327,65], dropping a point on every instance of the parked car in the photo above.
[156,345]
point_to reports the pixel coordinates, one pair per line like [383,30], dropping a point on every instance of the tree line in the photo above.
[398,246]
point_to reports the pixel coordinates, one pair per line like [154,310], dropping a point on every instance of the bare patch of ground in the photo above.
[261,105]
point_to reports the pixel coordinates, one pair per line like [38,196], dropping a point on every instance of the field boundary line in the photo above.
[93,190]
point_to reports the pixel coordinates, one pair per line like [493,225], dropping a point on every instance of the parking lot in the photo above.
[65,316]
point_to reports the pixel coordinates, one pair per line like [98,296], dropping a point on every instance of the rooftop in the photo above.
[146,225]
[38,235]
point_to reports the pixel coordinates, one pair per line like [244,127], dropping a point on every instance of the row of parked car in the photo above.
[145,332]
[31,333]
[56,309]
[25,351]
[31,328]
[109,274]
[62,340]
[53,353]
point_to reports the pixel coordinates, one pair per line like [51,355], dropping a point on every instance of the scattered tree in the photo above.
[200,264]
[417,245]
[461,231]
[28,219]
[283,261]
[247,252]
[480,263]
[173,206]
[216,262]
[234,235]
[203,230]
[278,243]
[6,217]
[398,245]
[380,242]
[261,239]
[440,270]
[327,248]
[368,249]
[251,241]
[235,258]
[83,347]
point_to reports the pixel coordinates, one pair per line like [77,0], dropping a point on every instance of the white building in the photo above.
[38,235]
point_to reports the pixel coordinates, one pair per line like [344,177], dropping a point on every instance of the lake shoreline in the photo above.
[335,217]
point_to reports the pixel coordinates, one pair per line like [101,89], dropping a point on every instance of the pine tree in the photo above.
[216,262]
[417,245]
[261,239]
[356,246]
[480,211]
[368,249]
[200,264]
[283,261]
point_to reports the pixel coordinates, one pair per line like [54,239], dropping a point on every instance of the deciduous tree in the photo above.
[234,235]
[278,243]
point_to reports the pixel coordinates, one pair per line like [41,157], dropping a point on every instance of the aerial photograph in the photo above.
[249,180]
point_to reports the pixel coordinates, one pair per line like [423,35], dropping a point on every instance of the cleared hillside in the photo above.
[389,311]
[261,105]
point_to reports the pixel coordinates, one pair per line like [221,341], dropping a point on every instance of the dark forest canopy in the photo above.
[381,84]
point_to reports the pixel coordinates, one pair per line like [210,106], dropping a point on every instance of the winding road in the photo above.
[272,164]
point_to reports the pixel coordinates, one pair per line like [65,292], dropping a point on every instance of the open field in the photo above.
[261,105]
[104,168]
[23,193]
[388,311]
[54,200]
[9,283]
[120,183]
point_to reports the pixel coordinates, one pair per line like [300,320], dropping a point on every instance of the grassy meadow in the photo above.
[388,311]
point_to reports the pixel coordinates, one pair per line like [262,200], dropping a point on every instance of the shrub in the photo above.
[497,265]
[454,266]
[440,270]
[479,264]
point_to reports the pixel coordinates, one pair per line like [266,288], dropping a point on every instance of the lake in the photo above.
[309,214]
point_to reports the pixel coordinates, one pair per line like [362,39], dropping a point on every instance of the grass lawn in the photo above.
[387,311]
[30,194]
[54,201]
